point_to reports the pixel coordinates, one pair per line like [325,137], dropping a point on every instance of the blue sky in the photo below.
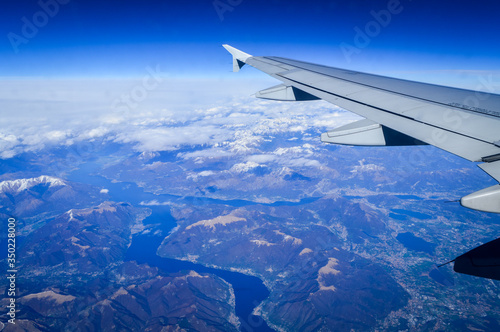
[121,38]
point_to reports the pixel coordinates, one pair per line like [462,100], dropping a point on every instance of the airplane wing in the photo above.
[397,112]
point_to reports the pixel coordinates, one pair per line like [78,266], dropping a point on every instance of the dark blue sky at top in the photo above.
[183,38]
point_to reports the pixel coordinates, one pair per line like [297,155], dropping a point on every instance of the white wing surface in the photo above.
[397,112]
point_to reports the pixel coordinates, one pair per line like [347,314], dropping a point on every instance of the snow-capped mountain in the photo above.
[45,194]
[16,186]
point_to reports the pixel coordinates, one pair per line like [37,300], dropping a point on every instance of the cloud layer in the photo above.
[222,116]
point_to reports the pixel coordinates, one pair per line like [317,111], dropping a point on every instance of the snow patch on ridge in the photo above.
[24,184]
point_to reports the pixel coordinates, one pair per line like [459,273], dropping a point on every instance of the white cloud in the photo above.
[296,150]
[221,116]
[56,135]
[153,203]
[209,153]
[94,133]
[261,158]
[244,167]
[304,162]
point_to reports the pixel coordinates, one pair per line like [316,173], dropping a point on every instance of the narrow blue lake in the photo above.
[249,291]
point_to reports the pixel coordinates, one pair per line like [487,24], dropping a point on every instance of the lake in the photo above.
[414,243]
[249,291]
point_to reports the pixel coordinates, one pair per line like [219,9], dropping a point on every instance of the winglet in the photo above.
[239,57]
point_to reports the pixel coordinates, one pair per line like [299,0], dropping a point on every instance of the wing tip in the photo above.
[236,53]
[239,57]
